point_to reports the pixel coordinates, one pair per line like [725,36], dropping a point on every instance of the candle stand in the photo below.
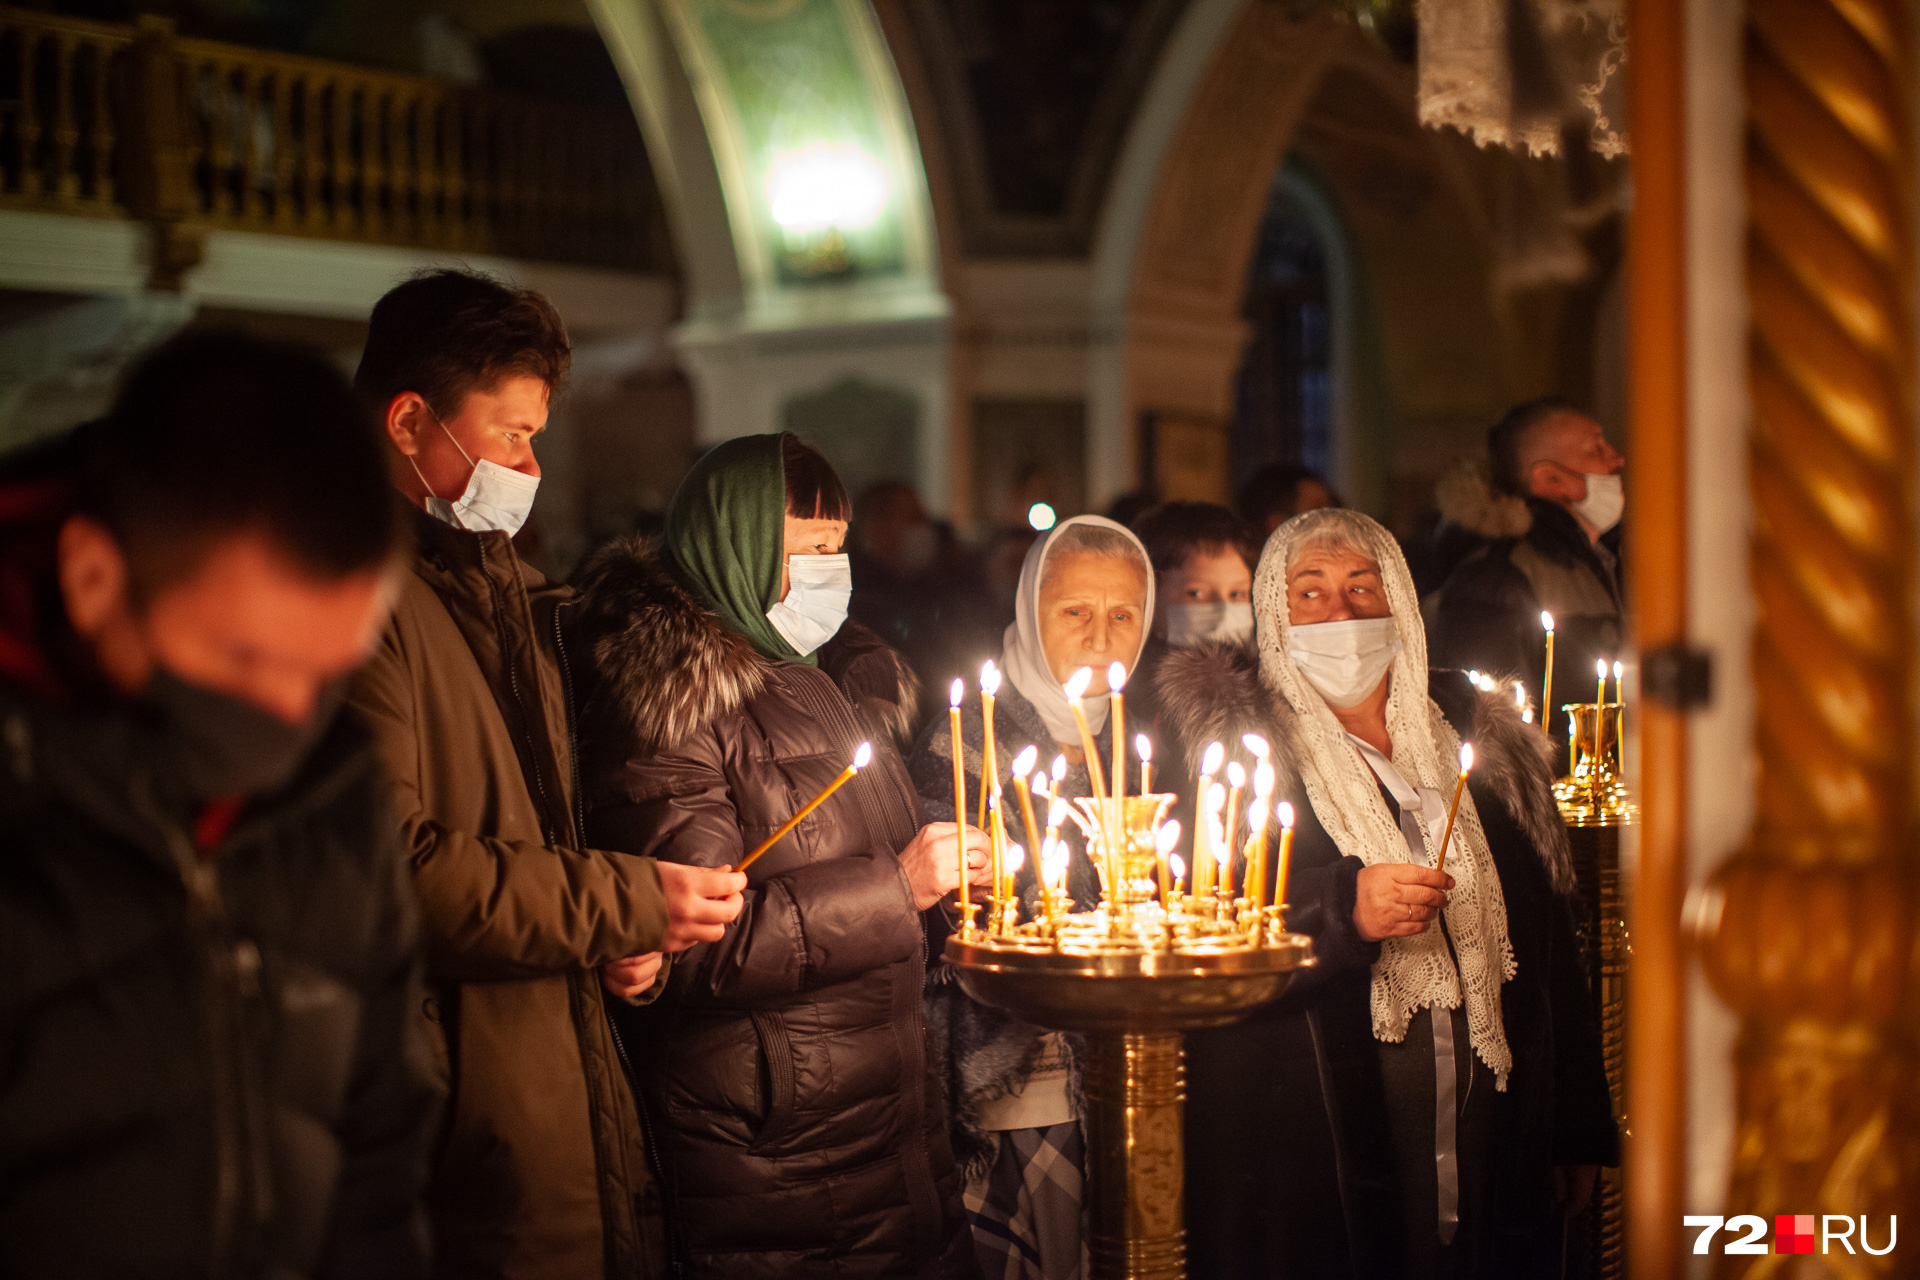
[1132,977]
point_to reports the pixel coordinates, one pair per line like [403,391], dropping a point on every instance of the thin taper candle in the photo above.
[1599,718]
[861,759]
[954,696]
[1116,683]
[997,839]
[1236,782]
[1546,684]
[1466,767]
[1022,765]
[989,757]
[1143,747]
[1284,812]
[1076,689]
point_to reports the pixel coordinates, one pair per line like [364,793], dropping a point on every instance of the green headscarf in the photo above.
[727,535]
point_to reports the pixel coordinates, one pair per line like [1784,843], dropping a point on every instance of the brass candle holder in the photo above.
[1133,976]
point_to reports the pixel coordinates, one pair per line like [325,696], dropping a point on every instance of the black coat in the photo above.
[207,1057]
[798,1114]
[1289,1156]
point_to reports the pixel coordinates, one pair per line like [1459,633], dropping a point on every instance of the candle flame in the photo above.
[1177,865]
[1222,854]
[1016,858]
[1076,686]
[1284,812]
[1473,678]
[1466,758]
[1236,774]
[1263,780]
[1216,797]
[1546,620]
[957,692]
[1116,678]
[1210,763]
[1616,671]
[1024,762]
[1519,695]
[1039,784]
[863,756]
[1143,747]
[989,679]
[1168,837]
[1059,769]
[1256,815]
[1057,814]
[1526,717]
[1600,668]
[1256,744]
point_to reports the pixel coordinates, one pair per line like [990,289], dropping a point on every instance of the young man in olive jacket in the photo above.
[541,1166]
[208,980]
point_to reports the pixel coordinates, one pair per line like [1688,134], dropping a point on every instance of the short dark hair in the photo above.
[1274,490]
[215,433]
[1505,437]
[1173,531]
[814,491]
[445,333]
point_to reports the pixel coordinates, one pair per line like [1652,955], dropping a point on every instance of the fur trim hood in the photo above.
[1465,496]
[663,664]
[1212,692]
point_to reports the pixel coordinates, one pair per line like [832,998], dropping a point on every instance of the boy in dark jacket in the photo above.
[207,969]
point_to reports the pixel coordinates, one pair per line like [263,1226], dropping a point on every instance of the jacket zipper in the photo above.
[573,732]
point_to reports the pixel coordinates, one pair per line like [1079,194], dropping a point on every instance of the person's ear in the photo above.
[93,575]
[406,418]
[1544,480]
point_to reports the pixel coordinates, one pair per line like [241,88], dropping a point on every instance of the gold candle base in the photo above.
[1133,1004]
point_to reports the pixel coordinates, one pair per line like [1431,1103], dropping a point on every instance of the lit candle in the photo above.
[1016,859]
[1466,767]
[989,759]
[954,696]
[1076,689]
[1209,765]
[1167,837]
[1178,866]
[1284,812]
[1546,684]
[861,759]
[1236,783]
[1599,715]
[1204,852]
[1618,696]
[1116,682]
[997,841]
[1263,780]
[1256,838]
[1053,872]
[1023,765]
[1143,747]
[1520,700]
[1619,716]
[1223,858]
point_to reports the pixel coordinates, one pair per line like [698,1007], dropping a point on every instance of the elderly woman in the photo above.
[786,1072]
[1085,600]
[1430,1099]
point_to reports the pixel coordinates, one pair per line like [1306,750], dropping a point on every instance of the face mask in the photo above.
[1223,620]
[219,746]
[496,497]
[1345,660]
[1605,503]
[818,588]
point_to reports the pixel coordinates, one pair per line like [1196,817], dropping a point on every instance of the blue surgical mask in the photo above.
[496,497]
[818,588]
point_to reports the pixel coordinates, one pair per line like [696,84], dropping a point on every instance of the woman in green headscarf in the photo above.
[785,1069]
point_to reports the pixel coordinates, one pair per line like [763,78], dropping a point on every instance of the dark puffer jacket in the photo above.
[799,1117]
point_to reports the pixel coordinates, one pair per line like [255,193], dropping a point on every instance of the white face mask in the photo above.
[1605,503]
[496,497]
[1222,620]
[818,588]
[1345,660]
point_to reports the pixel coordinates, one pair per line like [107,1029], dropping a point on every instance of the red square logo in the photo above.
[1793,1233]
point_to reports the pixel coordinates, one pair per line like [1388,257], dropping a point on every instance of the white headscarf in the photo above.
[1025,658]
[1416,972]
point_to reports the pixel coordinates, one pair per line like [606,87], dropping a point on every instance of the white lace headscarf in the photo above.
[1416,972]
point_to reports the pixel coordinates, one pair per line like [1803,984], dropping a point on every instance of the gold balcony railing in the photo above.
[133,121]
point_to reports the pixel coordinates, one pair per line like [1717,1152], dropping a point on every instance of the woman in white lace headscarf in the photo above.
[1385,1069]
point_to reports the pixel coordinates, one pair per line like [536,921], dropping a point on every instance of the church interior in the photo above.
[1026,259]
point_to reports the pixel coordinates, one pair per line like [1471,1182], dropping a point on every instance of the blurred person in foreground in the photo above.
[1086,593]
[208,973]
[1278,492]
[542,1166]
[721,687]
[1429,1100]
[918,589]
[1552,523]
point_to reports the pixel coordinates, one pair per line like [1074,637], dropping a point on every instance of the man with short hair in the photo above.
[542,1168]
[1554,524]
[207,942]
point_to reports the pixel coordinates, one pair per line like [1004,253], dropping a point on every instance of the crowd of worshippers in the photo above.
[367,903]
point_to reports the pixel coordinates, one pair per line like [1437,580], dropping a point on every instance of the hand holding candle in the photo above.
[1459,788]
[861,759]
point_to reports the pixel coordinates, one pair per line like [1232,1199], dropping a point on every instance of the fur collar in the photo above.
[1466,496]
[1212,692]
[663,663]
